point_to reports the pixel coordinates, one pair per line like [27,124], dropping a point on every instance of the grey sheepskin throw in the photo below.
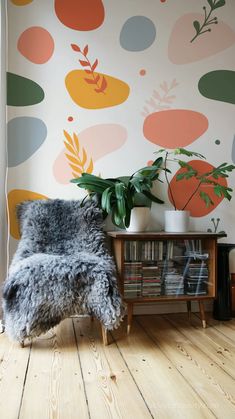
[61,268]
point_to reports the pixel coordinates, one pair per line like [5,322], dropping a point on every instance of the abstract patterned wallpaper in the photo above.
[99,86]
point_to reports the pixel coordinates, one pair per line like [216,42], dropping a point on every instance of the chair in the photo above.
[61,268]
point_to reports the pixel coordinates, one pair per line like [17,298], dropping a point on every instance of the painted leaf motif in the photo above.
[90,81]
[68,138]
[220,3]
[84,63]
[69,148]
[76,142]
[72,159]
[75,168]
[90,167]
[94,65]
[85,51]
[196,25]
[75,48]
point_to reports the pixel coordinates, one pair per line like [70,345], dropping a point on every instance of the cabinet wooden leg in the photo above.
[129,317]
[189,308]
[104,335]
[202,313]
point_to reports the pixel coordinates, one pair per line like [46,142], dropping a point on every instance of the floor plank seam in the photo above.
[218,330]
[133,378]
[173,366]
[25,378]
[198,348]
[79,360]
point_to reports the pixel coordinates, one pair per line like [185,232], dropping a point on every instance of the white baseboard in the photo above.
[164,308]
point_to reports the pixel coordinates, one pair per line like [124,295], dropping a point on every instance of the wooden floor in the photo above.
[166,368]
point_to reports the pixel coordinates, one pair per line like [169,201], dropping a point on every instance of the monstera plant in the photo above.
[118,196]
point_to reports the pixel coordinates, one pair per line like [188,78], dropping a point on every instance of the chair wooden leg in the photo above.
[129,317]
[104,335]
[189,308]
[202,313]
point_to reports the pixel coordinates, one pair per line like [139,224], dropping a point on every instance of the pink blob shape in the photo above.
[98,141]
[70,118]
[36,44]
[182,51]
[174,128]
[142,72]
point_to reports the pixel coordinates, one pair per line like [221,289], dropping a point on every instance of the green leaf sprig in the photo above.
[203,28]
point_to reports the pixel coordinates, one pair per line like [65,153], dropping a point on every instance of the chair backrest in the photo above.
[60,226]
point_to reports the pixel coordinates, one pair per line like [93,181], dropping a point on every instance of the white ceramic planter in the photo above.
[176,221]
[139,219]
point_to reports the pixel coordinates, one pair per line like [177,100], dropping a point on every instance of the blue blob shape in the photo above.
[137,33]
[25,136]
[233,150]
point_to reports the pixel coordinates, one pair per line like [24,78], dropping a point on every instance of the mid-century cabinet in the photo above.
[159,266]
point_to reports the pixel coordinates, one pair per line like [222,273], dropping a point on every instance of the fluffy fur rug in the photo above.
[61,268]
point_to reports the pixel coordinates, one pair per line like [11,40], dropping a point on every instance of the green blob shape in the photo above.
[218,85]
[217,142]
[22,91]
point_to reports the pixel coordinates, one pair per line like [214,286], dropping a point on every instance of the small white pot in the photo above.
[176,221]
[139,219]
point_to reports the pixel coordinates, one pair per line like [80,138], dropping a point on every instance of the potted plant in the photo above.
[178,219]
[122,195]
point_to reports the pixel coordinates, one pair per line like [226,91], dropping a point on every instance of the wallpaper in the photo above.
[99,86]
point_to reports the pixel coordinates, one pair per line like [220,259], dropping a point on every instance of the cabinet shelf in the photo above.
[164,267]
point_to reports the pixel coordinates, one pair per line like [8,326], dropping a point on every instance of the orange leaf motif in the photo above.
[85,51]
[78,163]
[75,47]
[84,63]
[94,65]
[90,81]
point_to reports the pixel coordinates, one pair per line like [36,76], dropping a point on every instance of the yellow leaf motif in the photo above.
[79,162]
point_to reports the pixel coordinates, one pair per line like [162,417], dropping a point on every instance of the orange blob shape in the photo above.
[84,94]
[15,197]
[174,128]
[183,189]
[36,44]
[82,15]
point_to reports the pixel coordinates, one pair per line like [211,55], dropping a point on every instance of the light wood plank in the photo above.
[226,328]
[54,386]
[211,383]
[217,346]
[161,385]
[110,389]
[13,366]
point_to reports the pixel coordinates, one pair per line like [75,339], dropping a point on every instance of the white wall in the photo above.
[3,223]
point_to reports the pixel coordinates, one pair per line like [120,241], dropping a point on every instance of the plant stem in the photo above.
[192,195]
[203,25]
[167,180]
[93,76]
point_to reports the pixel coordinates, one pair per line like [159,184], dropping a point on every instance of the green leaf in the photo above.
[153,197]
[205,197]
[196,25]
[210,2]
[220,3]
[127,218]
[106,200]
[188,153]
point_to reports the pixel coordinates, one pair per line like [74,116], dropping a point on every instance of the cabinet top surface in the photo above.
[123,234]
